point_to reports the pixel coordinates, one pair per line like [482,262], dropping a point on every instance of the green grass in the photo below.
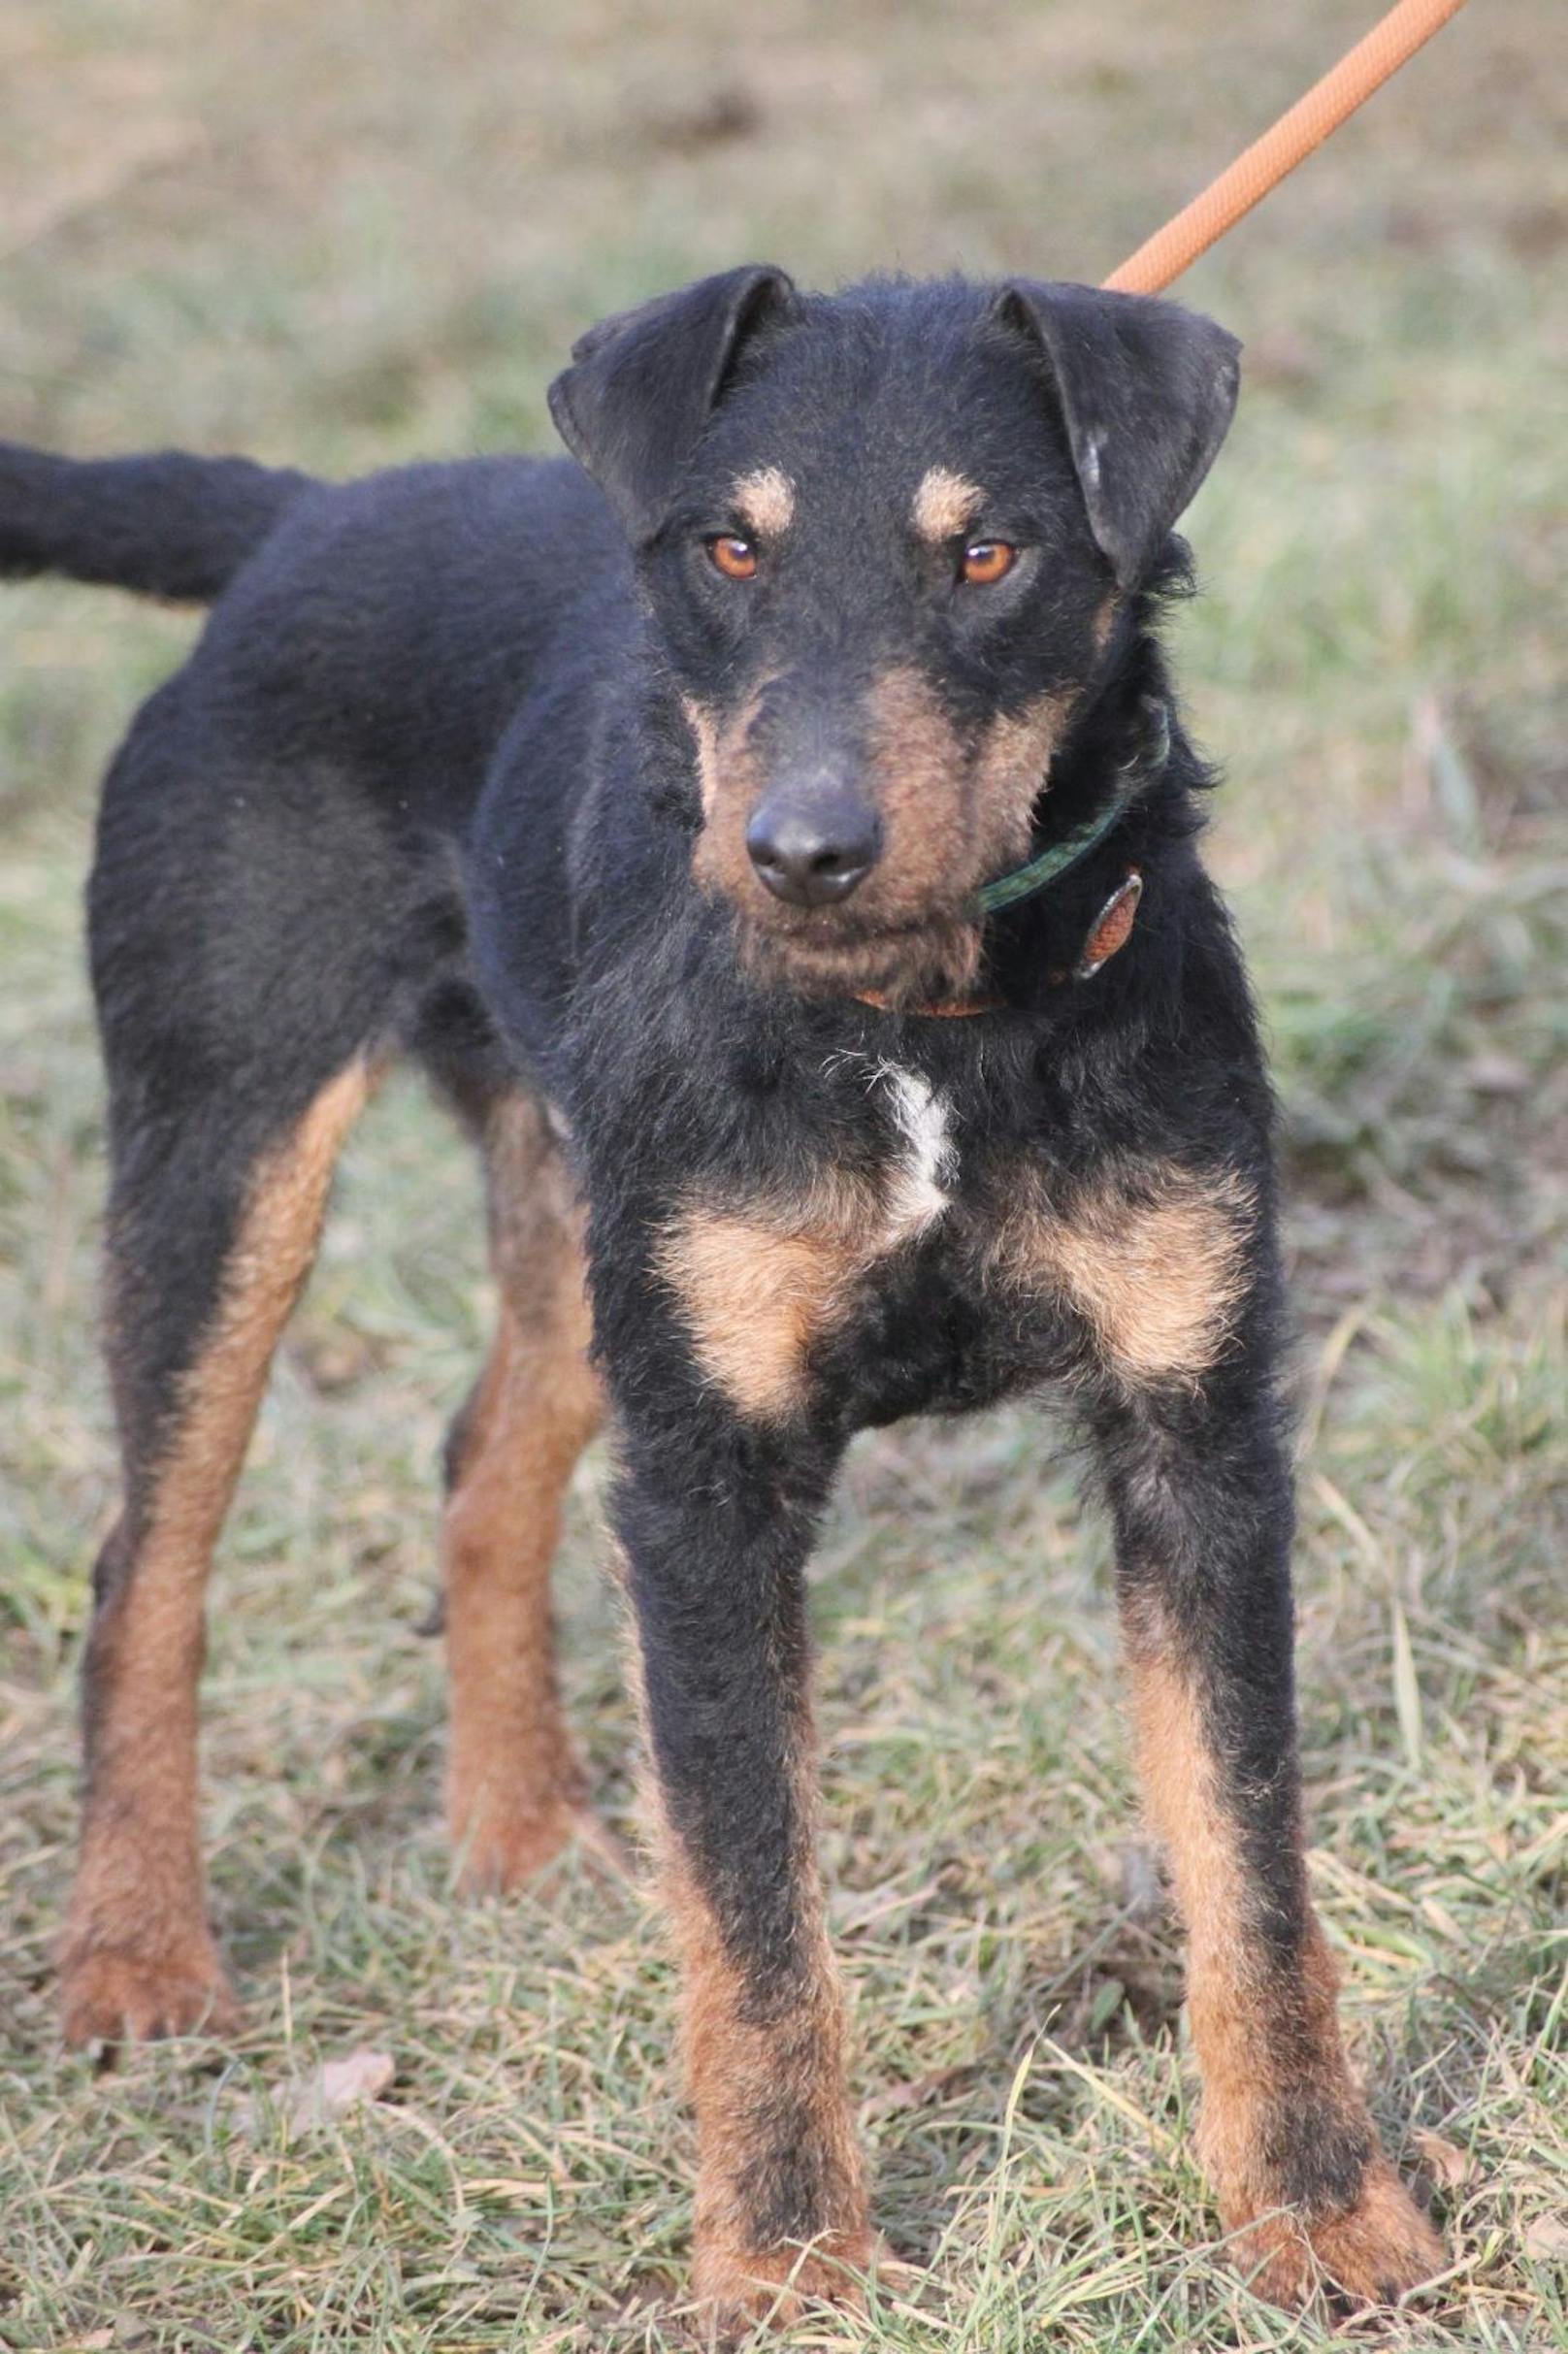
[340,235]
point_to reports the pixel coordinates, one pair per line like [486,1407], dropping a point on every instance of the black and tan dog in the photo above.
[777,838]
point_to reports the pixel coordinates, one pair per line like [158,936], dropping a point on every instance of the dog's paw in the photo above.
[1372,2252]
[503,1850]
[114,1995]
[736,2289]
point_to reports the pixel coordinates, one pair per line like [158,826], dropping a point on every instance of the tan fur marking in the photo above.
[765,501]
[941,836]
[706,730]
[921,768]
[945,503]
[1225,1995]
[515,1785]
[1153,1262]
[955,814]
[1374,2252]
[1014,769]
[1240,2022]
[741,2072]
[729,782]
[759,1284]
[755,1298]
[137,1955]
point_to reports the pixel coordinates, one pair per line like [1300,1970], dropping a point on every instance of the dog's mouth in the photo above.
[845,952]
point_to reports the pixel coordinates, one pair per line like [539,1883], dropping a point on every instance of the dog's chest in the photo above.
[929,1264]
[858,1288]
[914,1326]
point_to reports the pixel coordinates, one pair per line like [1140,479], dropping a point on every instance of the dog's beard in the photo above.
[909,964]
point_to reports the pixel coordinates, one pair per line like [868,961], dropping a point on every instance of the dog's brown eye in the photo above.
[736,558]
[986,561]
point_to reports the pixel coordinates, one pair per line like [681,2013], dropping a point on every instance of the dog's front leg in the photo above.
[715,1562]
[1202,1502]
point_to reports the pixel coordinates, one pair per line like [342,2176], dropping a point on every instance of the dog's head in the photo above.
[883,537]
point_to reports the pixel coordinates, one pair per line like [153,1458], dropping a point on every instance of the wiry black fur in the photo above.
[426,783]
[168,525]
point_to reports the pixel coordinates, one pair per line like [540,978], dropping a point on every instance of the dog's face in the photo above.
[883,537]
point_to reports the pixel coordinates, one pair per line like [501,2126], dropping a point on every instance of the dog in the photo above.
[772,829]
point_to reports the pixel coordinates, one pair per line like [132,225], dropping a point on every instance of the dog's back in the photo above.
[391,624]
[277,877]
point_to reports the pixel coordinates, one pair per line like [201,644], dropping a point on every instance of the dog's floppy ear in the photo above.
[1147,393]
[643,385]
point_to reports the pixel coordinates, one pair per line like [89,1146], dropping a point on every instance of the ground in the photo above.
[342,235]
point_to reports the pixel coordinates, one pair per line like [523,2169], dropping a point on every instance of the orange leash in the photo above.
[1308,123]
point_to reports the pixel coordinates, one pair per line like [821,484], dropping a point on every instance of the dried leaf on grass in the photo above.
[330,2092]
[918,2092]
[1448,2166]
[1546,2239]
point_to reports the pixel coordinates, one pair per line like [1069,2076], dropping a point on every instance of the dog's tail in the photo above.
[166,525]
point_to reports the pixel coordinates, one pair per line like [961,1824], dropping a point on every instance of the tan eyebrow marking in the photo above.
[765,501]
[945,503]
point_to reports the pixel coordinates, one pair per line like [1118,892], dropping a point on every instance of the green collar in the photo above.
[1144,766]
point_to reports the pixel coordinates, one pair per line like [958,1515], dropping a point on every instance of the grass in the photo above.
[340,235]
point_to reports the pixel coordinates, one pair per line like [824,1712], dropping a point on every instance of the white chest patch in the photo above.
[928,1163]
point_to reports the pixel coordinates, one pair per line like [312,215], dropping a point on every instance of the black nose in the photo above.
[814,852]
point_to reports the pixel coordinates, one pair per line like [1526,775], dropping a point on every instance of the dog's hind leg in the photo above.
[515,1789]
[216,1205]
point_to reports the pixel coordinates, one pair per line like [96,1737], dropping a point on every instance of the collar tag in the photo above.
[1112,927]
